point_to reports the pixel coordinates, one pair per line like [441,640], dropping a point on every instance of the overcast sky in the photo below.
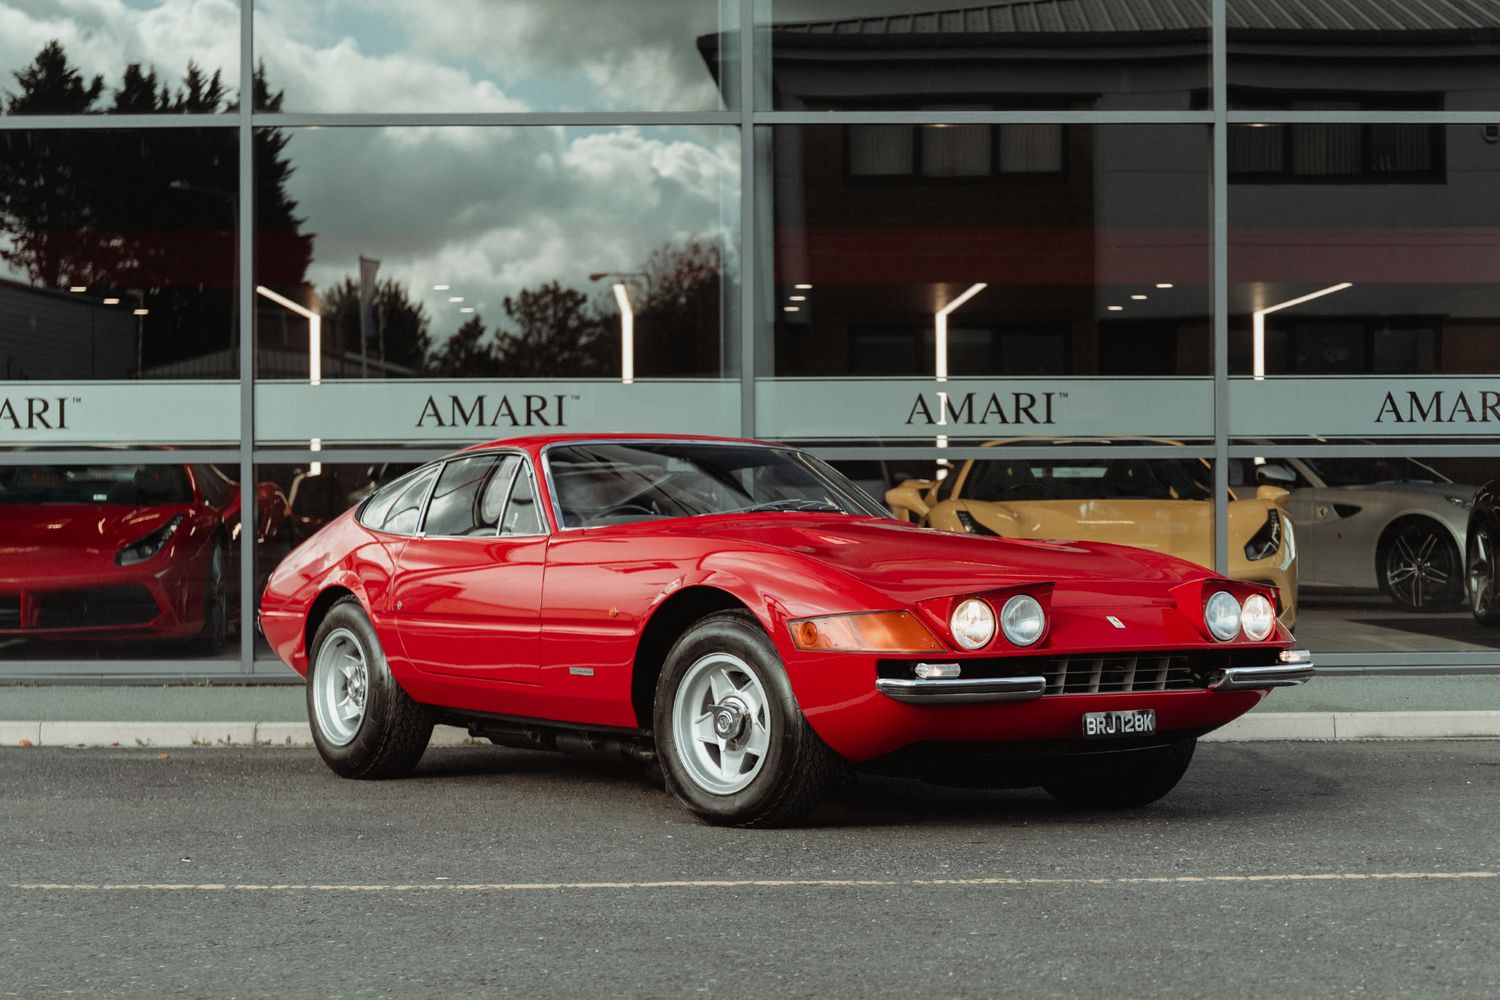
[485,210]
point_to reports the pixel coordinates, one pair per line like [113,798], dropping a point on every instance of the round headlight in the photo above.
[1257,617]
[973,623]
[1222,615]
[1022,620]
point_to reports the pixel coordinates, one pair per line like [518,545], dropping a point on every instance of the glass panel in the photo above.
[1440,55]
[499,253]
[523,516]
[117,254]
[1364,250]
[498,55]
[921,54]
[1382,546]
[113,561]
[141,57]
[470,496]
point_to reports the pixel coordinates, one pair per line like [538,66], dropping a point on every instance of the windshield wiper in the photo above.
[790,505]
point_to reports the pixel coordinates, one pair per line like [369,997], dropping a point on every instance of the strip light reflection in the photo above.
[940,324]
[627,335]
[1259,367]
[314,332]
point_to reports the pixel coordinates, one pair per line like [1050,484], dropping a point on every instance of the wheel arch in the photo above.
[667,623]
[318,611]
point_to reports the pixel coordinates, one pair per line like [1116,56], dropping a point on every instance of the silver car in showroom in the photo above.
[1388,524]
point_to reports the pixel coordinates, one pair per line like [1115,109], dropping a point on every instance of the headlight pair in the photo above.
[1021,620]
[147,546]
[1226,617]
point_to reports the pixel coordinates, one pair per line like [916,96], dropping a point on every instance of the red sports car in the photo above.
[104,551]
[748,617]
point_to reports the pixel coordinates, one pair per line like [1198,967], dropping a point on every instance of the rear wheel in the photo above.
[1420,567]
[734,746]
[1124,780]
[363,724]
[1481,564]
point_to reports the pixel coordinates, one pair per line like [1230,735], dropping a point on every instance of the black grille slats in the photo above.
[1125,674]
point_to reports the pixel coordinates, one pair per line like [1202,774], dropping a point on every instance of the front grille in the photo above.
[10,610]
[95,607]
[1119,674]
[1104,673]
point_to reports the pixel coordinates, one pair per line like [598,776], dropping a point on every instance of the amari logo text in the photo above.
[34,413]
[1440,407]
[973,409]
[528,410]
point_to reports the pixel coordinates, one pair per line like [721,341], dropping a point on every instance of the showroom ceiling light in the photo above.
[1164,284]
[1259,324]
[455,298]
[796,298]
[314,332]
[78,288]
[467,309]
[1115,309]
[802,287]
[627,334]
[791,309]
[940,324]
[440,288]
[1139,298]
[111,301]
[140,312]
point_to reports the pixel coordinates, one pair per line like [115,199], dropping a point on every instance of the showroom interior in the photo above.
[1217,277]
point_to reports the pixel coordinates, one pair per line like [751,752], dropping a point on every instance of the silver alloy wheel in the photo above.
[1418,567]
[721,723]
[1481,582]
[341,682]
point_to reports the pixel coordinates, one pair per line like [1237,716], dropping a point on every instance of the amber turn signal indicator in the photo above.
[867,632]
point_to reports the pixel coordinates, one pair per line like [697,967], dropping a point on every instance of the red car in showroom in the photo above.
[746,616]
[103,551]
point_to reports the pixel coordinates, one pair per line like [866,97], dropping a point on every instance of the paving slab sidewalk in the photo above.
[1331,707]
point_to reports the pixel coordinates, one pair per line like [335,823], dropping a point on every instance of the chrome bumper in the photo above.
[1296,668]
[944,691]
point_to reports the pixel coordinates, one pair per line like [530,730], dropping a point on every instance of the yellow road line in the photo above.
[730,883]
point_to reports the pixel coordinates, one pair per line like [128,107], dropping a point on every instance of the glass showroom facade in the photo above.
[1220,277]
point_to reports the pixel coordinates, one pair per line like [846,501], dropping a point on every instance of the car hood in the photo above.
[37,531]
[916,564]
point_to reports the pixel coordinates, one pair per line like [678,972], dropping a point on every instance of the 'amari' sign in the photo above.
[530,410]
[119,411]
[1440,407]
[33,413]
[1288,407]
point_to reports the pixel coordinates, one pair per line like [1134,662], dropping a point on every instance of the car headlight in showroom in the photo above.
[1257,617]
[973,623]
[1022,620]
[1222,615]
[144,548]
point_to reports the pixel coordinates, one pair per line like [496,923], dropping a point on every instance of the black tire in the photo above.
[211,639]
[1126,780]
[796,770]
[1484,603]
[392,731]
[1420,568]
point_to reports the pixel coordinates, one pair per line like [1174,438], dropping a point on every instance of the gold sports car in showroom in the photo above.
[1160,504]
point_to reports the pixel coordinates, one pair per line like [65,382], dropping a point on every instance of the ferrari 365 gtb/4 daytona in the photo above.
[746,616]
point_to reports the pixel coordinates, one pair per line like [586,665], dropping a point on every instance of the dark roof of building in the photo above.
[1047,17]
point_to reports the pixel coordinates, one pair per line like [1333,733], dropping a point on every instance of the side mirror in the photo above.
[1276,475]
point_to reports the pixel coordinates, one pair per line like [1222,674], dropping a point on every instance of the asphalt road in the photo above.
[1270,872]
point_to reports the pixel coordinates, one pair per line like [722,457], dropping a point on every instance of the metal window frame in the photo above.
[753,68]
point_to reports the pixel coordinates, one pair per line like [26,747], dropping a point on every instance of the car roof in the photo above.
[535,442]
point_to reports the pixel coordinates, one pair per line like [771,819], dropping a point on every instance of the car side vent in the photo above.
[1346,509]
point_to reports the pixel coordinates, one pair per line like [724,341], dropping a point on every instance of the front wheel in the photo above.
[363,724]
[1123,780]
[1420,568]
[734,746]
[1482,598]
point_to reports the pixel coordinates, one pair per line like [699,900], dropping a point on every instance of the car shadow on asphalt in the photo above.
[1225,781]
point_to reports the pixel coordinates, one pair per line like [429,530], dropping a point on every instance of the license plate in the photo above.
[1103,725]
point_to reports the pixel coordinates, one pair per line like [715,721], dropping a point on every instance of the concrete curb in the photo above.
[1360,726]
[178,734]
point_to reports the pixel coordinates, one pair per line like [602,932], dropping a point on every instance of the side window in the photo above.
[461,503]
[398,507]
[522,515]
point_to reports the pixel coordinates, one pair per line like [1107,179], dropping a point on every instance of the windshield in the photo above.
[607,483]
[135,485]
[1365,471]
[1088,479]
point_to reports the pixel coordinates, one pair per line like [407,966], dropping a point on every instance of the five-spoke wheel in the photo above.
[1420,567]
[734,746]
[363,724]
